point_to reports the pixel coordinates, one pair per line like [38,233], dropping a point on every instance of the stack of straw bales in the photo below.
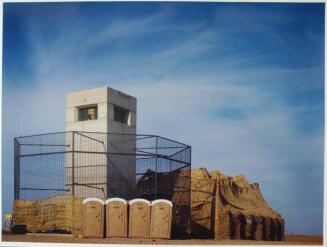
[59,213]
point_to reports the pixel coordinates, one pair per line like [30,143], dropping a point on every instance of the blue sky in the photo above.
[242,83]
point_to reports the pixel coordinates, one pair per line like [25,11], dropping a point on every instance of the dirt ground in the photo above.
[67,238]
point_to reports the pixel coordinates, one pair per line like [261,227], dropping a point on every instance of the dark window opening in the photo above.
[121,114]
[88,113]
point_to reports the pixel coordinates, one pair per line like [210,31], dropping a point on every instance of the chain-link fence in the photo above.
[79,164]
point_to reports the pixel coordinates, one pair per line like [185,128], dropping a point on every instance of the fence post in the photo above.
[16,169]
[73,163]
[107,146]
[156,171]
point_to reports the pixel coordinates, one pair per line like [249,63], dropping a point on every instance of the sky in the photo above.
[242,83]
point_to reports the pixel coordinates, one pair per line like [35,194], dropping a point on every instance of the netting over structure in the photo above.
[76,165]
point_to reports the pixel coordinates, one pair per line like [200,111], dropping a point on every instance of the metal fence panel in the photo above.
[102,165]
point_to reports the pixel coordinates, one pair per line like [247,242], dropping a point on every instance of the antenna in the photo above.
[21,124]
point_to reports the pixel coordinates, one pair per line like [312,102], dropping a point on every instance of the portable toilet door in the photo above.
[139,218]
[93,218]
[161,216]
[116,218]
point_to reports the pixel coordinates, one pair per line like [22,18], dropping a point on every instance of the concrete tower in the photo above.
[101,175]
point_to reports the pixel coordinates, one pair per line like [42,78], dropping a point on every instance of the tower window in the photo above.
[121,115]
[88,113]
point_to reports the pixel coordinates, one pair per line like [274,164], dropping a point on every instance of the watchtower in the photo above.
[103,110]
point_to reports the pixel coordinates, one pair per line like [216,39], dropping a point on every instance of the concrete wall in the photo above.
[119,174]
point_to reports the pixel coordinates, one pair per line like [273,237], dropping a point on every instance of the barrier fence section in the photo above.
[64,166]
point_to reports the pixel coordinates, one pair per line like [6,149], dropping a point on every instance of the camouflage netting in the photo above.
[59,213]
[181,227]
[222,207]
[225,207]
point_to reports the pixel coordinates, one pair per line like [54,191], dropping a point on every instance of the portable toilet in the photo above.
[139,218]
[161,217]
[93,218]
[116,218]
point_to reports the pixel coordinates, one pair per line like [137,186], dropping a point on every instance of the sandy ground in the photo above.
[67,238]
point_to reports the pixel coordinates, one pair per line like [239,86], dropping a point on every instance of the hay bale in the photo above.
[267,235]
[77,217]
[61,213]
[25,212]
[250,226]
[280,229]
[258,235]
